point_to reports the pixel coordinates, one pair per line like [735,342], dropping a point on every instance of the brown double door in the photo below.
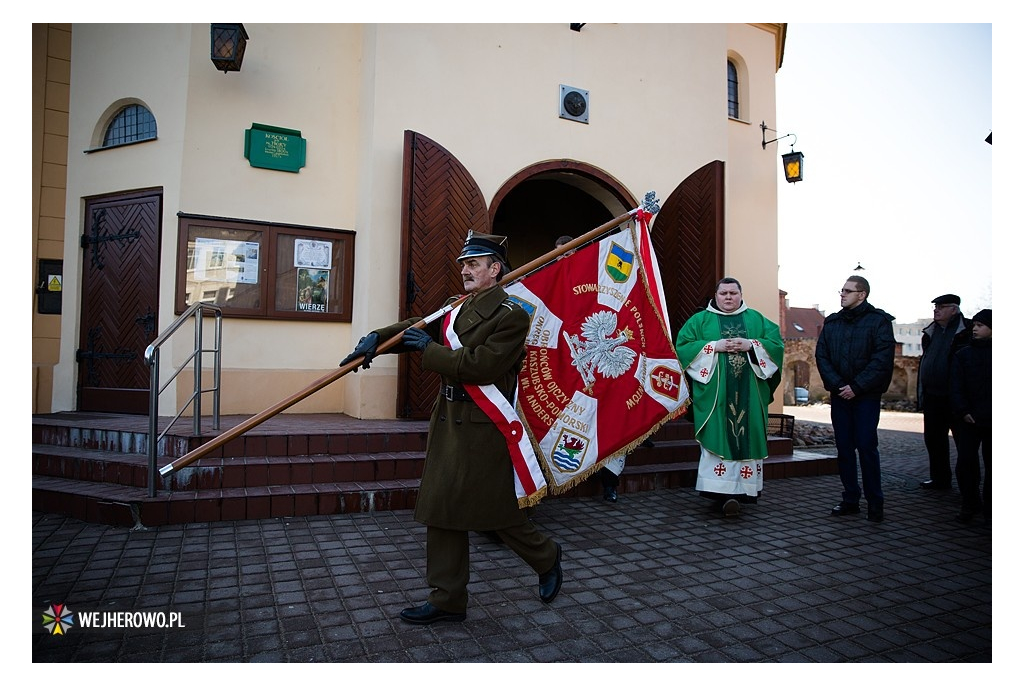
[120,288]
[442,201]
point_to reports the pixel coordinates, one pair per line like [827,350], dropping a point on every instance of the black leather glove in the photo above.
[366,348]
[416,338]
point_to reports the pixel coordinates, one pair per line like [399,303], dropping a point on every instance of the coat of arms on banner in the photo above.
[620,263]
[599,349]
[570,451]
[601,372]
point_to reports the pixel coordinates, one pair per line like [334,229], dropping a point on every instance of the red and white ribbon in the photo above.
[529,478]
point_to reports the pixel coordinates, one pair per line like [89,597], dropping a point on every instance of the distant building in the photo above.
[909,334]
[800,327]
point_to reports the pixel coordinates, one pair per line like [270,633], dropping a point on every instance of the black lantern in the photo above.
[227,46]
[792,162]
[793,166]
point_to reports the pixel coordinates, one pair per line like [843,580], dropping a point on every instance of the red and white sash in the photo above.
[529,479]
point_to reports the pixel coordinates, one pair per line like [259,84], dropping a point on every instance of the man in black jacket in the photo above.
[855,356]
[971,400]
[940,340]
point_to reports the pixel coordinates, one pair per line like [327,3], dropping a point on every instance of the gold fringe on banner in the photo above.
[531,500]
[587,473]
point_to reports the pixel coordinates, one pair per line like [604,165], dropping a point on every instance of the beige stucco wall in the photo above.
[488,93]
[752,173]
[51,72]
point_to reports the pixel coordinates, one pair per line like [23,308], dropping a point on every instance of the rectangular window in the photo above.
[261,270]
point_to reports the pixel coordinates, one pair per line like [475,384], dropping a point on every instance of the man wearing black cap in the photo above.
[468,481]
[940,340]
[971,398]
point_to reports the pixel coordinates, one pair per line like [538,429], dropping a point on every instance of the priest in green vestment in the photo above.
[732,355]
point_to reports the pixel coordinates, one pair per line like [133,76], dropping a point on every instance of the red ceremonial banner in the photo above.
[601,372]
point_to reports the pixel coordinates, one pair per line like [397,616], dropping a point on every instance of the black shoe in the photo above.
[551,581]
[428,613]
[875,513]
[731,508]
[935,485]
[610,495]
[844,508]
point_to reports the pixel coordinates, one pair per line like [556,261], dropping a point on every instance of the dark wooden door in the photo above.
[120,287]
[441,204]
[688,236]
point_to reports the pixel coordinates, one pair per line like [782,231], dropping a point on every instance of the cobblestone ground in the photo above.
[656,577]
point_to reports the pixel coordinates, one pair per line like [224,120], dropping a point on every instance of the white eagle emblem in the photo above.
[600,349]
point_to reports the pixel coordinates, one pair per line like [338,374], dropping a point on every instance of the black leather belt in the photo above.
[455,393]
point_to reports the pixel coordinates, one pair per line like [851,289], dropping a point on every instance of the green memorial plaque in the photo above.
[272,147]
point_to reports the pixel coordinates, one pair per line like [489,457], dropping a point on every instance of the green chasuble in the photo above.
[730,401]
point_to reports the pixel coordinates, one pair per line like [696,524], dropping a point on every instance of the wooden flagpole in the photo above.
[649,205]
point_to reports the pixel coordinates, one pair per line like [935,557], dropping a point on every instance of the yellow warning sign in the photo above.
[53,285]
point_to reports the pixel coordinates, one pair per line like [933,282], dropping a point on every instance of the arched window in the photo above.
[734,88]
[131,125]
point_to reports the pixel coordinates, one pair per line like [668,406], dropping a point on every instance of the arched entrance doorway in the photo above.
[552,199]
[442,201]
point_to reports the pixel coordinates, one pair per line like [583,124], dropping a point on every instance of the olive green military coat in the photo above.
[467,479]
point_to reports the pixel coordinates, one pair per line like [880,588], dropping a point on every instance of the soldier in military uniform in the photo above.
[467,482]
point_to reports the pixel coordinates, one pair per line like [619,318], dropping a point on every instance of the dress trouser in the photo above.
[973,437]
[448,560]
[855,423]
[938,423]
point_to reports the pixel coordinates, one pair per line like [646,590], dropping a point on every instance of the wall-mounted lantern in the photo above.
[792,161]
[793,166]
[227,46]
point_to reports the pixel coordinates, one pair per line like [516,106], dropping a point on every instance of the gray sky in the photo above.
[891,119]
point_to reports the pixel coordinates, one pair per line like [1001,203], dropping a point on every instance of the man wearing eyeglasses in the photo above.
[855,356]
[940,341]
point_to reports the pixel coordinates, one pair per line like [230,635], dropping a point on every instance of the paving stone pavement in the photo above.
[656,577]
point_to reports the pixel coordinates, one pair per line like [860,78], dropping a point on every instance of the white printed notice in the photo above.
[226,261]
[314,254]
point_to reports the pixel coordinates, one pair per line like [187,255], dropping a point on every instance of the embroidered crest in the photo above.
[570,450]
[666,381]
[600,348]
[529,307]
[620,263]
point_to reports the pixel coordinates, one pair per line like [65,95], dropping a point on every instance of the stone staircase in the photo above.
[93,467]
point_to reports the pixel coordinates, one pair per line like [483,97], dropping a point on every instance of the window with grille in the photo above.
[132,124]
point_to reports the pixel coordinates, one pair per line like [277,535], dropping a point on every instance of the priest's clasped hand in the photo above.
[416,338]
[733,345]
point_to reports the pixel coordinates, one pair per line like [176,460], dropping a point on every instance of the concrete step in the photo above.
[94,467]
[124,505]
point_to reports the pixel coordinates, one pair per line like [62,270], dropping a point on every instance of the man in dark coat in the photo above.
[467,482]
[971,399]
[940,340]
[855,356]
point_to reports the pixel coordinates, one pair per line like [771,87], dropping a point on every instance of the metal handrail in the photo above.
[153,360]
